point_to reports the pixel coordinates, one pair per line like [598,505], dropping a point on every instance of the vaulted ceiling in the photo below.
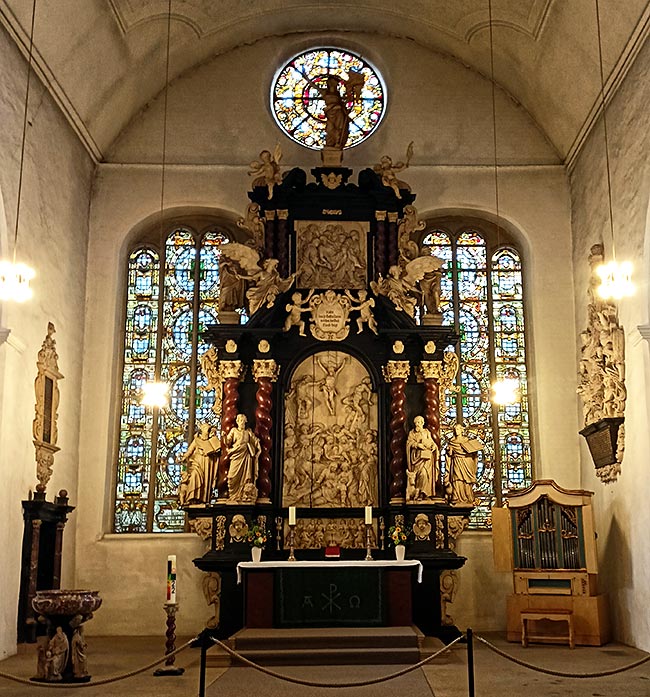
[103,60]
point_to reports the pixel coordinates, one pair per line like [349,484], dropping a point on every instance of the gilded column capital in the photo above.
[396,370]
[231,369]
[265,368]
[380,215]
[444,371]
[283,214]
[270,215]
[392,217]
[428,370]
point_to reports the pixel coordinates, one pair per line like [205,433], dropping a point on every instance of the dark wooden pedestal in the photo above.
[41,556]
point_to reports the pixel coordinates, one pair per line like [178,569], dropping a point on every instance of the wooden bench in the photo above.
[553,615]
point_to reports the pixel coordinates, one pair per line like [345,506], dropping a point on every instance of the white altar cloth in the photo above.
[326,564]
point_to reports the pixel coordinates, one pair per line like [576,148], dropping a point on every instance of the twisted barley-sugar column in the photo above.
[282,243]
[269,235]
[265,372]
[397,372]
[430,371]
[393,252]
[232,372]
[380,244]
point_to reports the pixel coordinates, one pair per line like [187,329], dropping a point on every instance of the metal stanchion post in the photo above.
[204,657]
[470,663]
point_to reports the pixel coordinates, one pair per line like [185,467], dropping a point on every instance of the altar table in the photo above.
[328,593]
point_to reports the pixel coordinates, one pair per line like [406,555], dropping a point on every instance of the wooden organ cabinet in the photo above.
[546,537]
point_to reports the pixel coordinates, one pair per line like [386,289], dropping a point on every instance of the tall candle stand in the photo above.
[278,533]
[368,552]
[170,644]
[292,556]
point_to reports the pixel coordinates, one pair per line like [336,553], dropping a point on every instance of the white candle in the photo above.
[171,578]
[292,515]
[368,515]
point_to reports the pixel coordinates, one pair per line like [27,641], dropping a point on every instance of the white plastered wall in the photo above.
[622,513]
[215,130]
[53,240]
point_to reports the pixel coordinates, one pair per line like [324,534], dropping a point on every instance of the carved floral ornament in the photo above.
[396,370]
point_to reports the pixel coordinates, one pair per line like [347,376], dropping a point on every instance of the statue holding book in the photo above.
[462,459]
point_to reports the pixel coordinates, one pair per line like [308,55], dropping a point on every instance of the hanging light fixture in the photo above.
[14,276]
[156,394]
[505,390]
[615,276]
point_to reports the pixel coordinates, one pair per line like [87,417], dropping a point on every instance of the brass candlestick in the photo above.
[368,552]
[292,556]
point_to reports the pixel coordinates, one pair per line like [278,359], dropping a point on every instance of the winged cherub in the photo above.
[388,171]
[266,170]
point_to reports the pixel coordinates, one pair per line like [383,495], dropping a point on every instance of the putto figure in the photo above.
[388,171]
[266,170]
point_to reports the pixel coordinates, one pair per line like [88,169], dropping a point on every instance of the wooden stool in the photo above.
[555,616]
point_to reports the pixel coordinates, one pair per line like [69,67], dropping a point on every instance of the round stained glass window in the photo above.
[326,92]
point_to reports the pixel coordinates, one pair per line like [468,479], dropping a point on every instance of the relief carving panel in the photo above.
[330,434]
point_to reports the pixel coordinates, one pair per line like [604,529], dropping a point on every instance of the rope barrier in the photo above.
[559,673]
[95,683]
[311,683]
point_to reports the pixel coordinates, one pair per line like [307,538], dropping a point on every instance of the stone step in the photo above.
[330,656]
[326,646]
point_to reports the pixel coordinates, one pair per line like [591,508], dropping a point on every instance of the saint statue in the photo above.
[56,655]
[462,459]
[338,106]
[200,477]
[244,451]
[423,458]
[78,652]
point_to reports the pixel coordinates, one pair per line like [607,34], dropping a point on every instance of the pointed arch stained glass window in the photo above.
[298,105]
[172,294]
[482,296]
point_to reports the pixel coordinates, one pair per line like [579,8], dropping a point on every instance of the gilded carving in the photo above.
[44,427]
[331,255]
[201,527]
[211,369]
[330,316]
[396,370]
[330,434]
[410,284]
[388,171]
[331,180]
[444,371]
[220,536]
[316,533]
[232,369]
[254,225]
[408,226]
[295,310]
[265,368]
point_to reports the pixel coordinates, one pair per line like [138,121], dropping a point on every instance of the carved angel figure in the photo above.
[402,283]
[266,170]
[388,171]
[364,307]
[265,282]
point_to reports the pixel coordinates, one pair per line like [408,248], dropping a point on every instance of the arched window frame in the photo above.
[145,495]
[498,424]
